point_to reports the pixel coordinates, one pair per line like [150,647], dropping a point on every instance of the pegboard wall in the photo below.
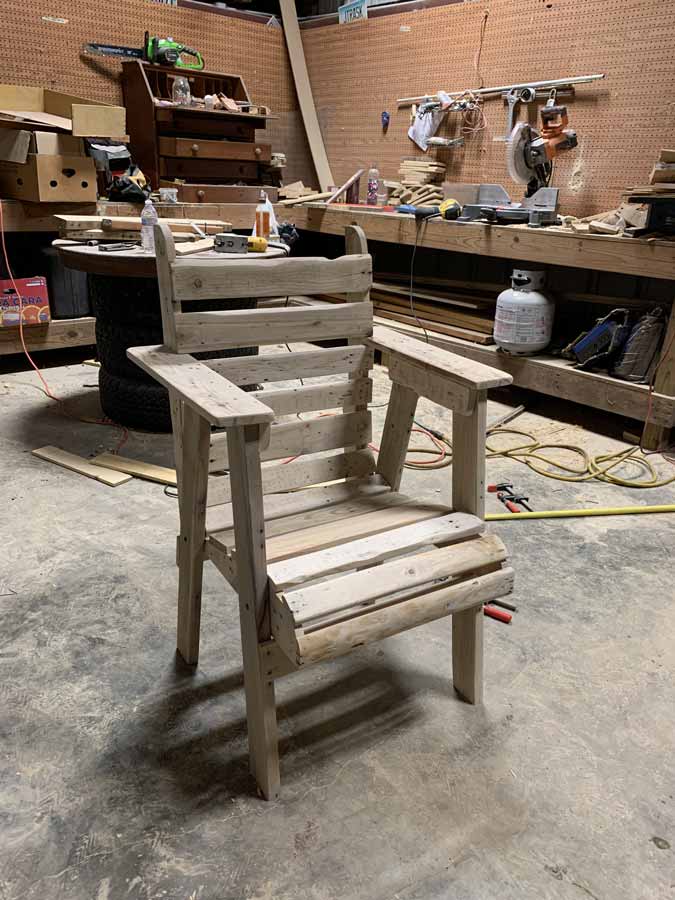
[622,122]
[46,37]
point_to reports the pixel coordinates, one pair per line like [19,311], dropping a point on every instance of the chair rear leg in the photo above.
[196,434]
[261,718]
[467,654]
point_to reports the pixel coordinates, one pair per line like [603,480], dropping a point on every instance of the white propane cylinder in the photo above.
[524,318]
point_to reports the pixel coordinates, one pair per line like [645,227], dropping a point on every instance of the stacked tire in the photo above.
[128,315]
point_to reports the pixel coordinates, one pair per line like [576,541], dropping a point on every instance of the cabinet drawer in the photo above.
[199,149]
[207,169]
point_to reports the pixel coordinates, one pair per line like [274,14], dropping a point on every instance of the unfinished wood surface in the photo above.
[278,477]
[396,433]
[81,466]
[468,495]
[337,533]
[348,183]
[284,366]
[282,507]
[370,550]
[336,640]
[411,573]
[253,590]
[165,255]
[207,393]
[551,246]
[303,89]
[288,439]
[209,279]
[414,325]
[312,397]
[451,366]
[192,505]
[427,383]
[53,336]
[137,468]
[191,247]
[257,327]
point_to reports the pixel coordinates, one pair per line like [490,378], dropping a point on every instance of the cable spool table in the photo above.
[125,298]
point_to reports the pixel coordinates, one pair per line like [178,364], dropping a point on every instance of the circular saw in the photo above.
[530,153]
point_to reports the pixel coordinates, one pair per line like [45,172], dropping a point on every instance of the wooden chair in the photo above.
[325,553]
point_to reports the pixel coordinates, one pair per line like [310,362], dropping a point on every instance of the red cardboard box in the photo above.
[32,305]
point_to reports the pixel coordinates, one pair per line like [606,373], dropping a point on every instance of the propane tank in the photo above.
[524,319]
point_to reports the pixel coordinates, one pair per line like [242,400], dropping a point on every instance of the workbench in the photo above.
[552,246]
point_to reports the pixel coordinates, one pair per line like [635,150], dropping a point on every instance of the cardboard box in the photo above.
[36,106]
[50,179]
[32,306]
[16,144]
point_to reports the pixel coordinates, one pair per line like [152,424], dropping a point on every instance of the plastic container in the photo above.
[180,91]
[262,217]
[524,317]
[373,181]
[149,219]
[382,193]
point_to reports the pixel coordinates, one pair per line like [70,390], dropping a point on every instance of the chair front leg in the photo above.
[253,586]
[193,473]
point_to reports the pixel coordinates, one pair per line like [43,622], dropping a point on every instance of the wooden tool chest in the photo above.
[197,145]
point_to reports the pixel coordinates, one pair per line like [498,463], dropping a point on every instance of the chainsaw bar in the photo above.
[113,50]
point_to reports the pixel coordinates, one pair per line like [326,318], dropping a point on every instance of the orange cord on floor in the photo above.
[46,389]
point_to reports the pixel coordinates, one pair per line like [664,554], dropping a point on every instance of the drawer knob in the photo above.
[195,148]
[258,151]
[200,195]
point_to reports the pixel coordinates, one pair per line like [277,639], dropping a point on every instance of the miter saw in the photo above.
[529,157]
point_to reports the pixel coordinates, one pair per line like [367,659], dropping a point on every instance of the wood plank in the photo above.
[370,550]
[334,534]
[136,467]
[443,315]
[215,279]
[286,506]
[303,89]
[272,367]
[54,336]
[81,466]
[220,402]
[452,367]
[429,384]
[253,591]
[257,327]
[305,436]
[300,473]
[409,325]
[411,573]
[396,433]
[336,640]
[551,246]
[312,397]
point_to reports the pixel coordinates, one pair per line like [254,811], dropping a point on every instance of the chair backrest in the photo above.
[345,387]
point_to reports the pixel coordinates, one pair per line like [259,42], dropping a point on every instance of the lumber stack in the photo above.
[664,169]
[456,310]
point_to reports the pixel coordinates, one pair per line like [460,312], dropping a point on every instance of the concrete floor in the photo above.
[124,776]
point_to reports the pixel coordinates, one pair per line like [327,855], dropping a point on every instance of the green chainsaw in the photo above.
[160,51]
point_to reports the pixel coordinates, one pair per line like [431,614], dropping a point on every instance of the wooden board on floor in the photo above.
[136,467]
[82,466]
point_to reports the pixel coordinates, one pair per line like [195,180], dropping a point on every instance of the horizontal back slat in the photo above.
[303,436]
[206,279]
[299,474]
[255,327]
[313,397]
[284,366]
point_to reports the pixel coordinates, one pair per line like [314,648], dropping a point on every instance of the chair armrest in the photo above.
[443,363]
[215,398]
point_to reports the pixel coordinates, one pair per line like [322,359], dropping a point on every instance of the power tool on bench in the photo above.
[157,50]
[449,209]
[529,156]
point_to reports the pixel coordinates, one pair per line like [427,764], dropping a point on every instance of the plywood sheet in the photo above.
[358,71]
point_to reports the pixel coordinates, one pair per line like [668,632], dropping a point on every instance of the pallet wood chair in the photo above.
[319,568]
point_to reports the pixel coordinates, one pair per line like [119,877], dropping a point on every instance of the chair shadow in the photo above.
[202,754]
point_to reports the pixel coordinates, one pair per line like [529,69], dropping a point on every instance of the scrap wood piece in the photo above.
[307,198]
[187,248]
[348,183]
[82,466]
[296,54]
[137,467]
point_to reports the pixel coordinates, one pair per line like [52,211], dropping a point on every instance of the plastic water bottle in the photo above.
[373,180]
[149,219]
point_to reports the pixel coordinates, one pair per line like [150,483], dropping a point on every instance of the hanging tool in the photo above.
[503,89]
[160,51]
[530,153]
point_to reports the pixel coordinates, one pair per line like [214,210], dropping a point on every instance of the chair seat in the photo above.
[357,562]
